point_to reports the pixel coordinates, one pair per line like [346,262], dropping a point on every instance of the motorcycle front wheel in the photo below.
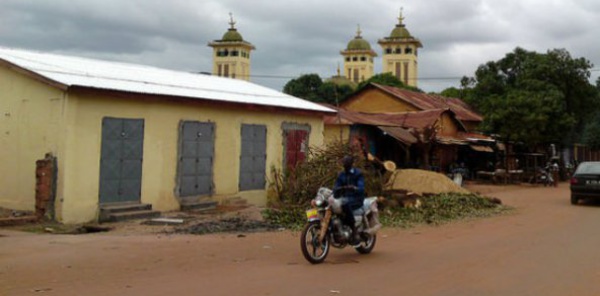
[312,250]
[367,245]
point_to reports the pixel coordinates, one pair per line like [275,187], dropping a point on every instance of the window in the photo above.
[226,70]
[235,53]
[363,59]
[388,50]
[408,50]
[406,73]
[398,50]
[354,59]
[347,59]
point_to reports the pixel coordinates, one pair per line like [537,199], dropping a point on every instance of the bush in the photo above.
[298,187]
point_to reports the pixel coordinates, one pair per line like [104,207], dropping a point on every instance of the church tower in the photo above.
[400,52]
[358,59]
[231,54]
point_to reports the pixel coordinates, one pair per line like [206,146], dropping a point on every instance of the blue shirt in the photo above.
[353,178]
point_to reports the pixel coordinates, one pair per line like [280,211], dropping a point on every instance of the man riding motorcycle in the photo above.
[350,186]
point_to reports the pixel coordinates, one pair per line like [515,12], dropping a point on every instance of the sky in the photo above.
[296,37]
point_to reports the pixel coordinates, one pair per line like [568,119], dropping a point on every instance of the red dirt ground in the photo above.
[545,247]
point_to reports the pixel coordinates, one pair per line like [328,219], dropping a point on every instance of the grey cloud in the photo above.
[296,37]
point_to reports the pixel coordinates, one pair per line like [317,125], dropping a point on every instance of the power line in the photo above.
[293,77]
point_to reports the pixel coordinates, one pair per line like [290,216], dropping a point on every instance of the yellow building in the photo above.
[358,59]
[400,54]
[231,54]
[132,134]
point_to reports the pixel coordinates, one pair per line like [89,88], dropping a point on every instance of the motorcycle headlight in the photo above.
[319,203]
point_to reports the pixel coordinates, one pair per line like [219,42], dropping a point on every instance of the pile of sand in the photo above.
[422,182]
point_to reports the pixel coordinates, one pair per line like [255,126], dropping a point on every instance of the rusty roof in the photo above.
[425,101]
[417,120]
[345,117]
[402,126]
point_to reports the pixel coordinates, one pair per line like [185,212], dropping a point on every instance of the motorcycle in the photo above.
[324,227]
[544,177]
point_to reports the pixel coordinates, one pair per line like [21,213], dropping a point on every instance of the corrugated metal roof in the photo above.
[400,134]
[83,72]
[345,117]
[425,101]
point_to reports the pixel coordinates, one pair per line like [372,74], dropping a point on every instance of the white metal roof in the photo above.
[76,71]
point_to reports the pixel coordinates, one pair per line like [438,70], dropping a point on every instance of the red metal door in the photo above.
[295,147]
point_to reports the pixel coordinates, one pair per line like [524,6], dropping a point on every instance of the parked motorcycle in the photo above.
[325,228]
[544,177]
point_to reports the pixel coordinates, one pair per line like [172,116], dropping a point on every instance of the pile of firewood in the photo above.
[297,186]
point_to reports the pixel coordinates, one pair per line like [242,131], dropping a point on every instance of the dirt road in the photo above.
[546,247]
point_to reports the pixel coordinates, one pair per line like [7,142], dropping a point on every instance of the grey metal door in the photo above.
[196,151]
[253,157]
[121,160]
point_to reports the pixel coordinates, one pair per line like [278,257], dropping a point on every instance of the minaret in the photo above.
[231,54]
[400,53]
[358,59]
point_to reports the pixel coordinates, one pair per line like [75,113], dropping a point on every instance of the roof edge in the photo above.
[34,75]
[252,106]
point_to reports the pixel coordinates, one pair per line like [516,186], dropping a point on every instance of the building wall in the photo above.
[448,125]
[336,133]
[376,101]
[401,64]
[161,132]
[358,71]
[30,126]
[237,66]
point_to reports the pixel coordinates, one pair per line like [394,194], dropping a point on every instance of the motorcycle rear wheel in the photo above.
[313,251]
[367,246]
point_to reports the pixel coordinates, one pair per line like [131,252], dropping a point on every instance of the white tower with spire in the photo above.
[231,54]
[358,59]
[400,54]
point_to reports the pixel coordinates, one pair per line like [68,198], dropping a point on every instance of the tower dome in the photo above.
[232,35]
[400,31]
[358,43]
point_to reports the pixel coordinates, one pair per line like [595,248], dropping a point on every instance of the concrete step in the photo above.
[124,207]
[126,211]
[198,205]
[13,221]
[235,201]
[131,215]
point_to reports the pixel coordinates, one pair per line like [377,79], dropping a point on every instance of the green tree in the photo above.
[334,94]
[311,87]
[534,98]
[387,79]
[591,133]
[304,87]
[466,87]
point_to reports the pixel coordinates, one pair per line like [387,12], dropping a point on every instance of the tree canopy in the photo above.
[533,98]
[387,79]
[311,87]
